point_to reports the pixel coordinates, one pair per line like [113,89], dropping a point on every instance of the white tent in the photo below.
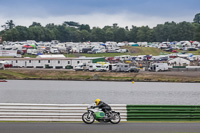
[51,56]
[179,61]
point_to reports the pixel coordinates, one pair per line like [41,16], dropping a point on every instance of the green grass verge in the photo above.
[133,51]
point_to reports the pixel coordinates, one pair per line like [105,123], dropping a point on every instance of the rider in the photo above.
[105,107]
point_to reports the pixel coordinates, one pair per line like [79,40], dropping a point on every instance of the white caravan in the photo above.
[158,67]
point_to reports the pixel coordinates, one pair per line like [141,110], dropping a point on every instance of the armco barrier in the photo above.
[163,113]
[49,112]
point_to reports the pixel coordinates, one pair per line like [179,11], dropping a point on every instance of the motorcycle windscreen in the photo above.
[99,115]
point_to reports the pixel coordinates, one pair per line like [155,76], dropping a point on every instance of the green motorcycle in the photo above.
[93,114]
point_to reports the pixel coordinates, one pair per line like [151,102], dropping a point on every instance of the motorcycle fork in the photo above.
[89,114]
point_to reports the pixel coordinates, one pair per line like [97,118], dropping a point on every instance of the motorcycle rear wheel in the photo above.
[87,120]
[115,119]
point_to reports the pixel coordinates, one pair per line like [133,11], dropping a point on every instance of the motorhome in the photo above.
[155,67]
[95,67]
[81,67]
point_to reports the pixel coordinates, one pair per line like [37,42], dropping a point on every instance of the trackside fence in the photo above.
[49,112]
[163,113]
[73,112]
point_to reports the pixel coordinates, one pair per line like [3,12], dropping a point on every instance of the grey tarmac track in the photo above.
[53,127]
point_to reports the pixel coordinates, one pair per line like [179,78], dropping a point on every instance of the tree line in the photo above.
[71,31]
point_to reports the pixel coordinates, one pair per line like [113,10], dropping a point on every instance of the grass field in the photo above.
[44,74]
[133,51]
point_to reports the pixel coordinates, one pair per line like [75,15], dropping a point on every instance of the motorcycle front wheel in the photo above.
[115,118]
[88,119]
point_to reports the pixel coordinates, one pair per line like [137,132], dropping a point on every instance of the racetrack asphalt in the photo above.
[54,127]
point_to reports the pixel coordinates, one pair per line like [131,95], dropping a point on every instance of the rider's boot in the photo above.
[107,115]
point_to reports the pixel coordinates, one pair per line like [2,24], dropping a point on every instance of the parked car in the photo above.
[133,69]
[168,50]
[174,51]
[192,49]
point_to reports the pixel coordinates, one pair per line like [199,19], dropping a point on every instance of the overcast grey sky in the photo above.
[98,12]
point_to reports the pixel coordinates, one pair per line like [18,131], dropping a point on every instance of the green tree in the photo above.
[185,31]
[169,31]
[115,25]
[9,25]
[50,26]
[56,33]
[63,33]
[120,35]
[76,36]
[109,35]
[132,34]
[72,24]
[35,24]
[197,18]
[85,27]
[150,35]
[84,35]
[158,32]
[36,33]
[11,35]
[97,34]
[23,33]
[197,32]
[142,33]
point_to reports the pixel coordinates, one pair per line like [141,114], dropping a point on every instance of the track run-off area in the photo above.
[80,127]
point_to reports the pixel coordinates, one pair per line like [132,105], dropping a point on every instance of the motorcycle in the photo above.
[94,113]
